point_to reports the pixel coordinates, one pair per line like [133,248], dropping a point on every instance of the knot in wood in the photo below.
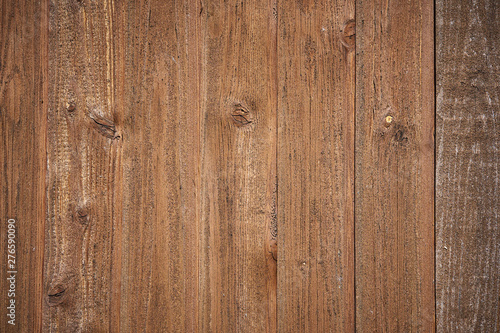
[61,289]
[241,115]
[105,126]
[56,295]
[348,34]
[82,215]
[71,107]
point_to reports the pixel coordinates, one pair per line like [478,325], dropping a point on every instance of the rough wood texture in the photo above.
[23,112]
[315,166]
[83,169]
[196,83]
[250,166]
[157,80]
[467,166]
[394,215]
[238,138]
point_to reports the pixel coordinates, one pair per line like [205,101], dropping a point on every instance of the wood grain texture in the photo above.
[23,125]
[83,169]
[315,166]
[157,81]
[394,214]
[250,166]
[467,166]
[238,152]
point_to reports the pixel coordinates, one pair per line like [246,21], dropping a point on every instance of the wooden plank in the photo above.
[83,169]
[158,91]
[467,166]
[316,44]
[238,146]
[23,125]
[394,214]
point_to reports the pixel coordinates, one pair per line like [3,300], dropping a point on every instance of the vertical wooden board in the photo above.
[83,169]
[467,166]
[316,42]
[23,112]
[238,137]
[157,90]
[394,166]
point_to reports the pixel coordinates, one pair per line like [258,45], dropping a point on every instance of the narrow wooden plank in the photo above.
[238,133]
[23,125]
[83,169]
[394,213]
[158,90]
[315,166]
[467,166]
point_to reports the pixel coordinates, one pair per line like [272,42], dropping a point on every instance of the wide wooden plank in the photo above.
[394,213]
[316,42]
[467,166]
[23,125]
[83,169]
[157,94]
[238,147]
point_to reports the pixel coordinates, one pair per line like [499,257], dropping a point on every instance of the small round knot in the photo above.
[83,216]
[70,107]
[348,37]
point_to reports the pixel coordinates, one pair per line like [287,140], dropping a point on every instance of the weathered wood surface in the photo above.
[250,166]
[467,166]
[315,166]
[83,158]
[162,160]
[157,91]
[394,210]
[238,136]
[23,112]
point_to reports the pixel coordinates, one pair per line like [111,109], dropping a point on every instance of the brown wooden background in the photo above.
[251,166]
